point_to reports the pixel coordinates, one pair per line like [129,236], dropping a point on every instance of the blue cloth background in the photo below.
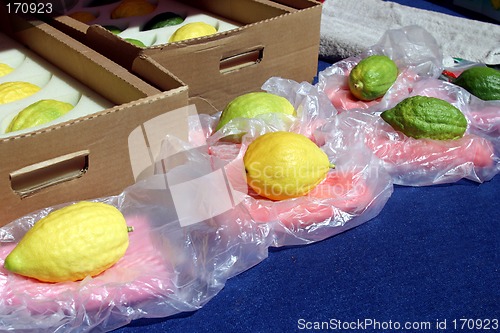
[431,255]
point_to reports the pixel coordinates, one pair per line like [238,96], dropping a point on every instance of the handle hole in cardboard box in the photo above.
[241,60]
[36,177]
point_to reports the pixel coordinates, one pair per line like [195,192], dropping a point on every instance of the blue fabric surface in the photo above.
[430,256]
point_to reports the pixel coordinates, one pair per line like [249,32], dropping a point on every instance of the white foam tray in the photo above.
[54,84]
[132,26]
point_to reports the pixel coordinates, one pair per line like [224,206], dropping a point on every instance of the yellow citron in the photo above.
[282,165]
[253,104]
[5,69]
[39,113]
[83,16]
[129,8]
[16,90]
[71,243]
[192,30]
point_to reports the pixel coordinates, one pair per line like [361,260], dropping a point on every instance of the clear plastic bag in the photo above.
[413,49]
[196,225]
[353,193]
[313,110]
[410,161]
[420,162]
[167,269]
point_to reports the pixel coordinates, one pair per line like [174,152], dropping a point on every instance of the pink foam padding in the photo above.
[486,119]
[141,274]
[340,193]
[397,149]
[343,100]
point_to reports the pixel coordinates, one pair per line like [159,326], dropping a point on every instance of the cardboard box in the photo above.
[272,38]
[88,157]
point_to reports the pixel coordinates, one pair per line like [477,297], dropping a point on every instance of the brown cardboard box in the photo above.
[273,38]
[88,157]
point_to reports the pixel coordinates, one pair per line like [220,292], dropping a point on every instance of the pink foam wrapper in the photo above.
[343,192]
[421,162]
[142,274]
[343,100]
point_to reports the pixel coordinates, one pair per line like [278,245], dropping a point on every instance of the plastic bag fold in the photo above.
[414,162]
[423,162]
[197,224]
[416,54]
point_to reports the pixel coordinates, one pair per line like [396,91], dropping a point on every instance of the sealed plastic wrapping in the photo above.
[352,193]
[167,269]
[421,162]
[196,225]
[416,54]
[409,161]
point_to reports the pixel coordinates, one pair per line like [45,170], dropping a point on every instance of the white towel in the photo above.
[348,27]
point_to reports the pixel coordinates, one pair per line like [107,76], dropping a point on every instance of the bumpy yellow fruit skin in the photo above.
[5,69]
[16,90]
[253,104]
[71,243]
[192,30]
[283,165]
[38,113]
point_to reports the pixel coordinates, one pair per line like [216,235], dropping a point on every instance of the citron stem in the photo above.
[332,166]
[130,229]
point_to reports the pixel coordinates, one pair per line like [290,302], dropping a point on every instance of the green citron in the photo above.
[253,104]
[426,117]
[482,82]
[372,77]
[39,113]
[112,28]
[136,42]
[166,19]
[71,243]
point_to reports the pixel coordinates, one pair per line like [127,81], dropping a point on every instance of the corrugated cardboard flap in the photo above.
[84,64]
